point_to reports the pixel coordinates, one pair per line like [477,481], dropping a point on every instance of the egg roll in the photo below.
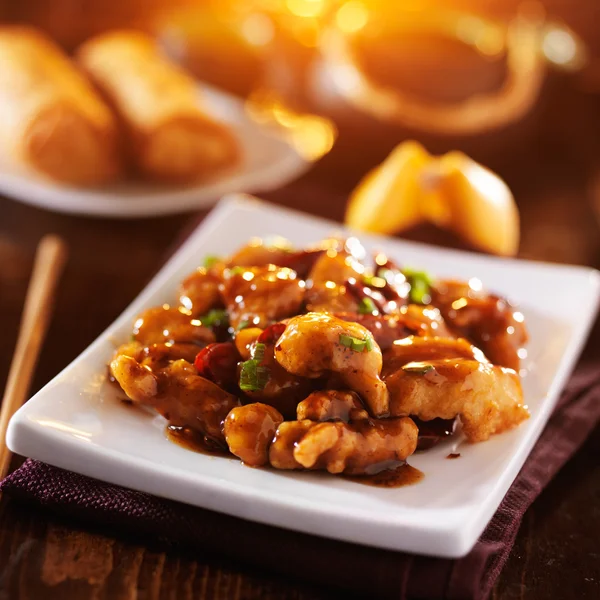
[52,121]
[169,132]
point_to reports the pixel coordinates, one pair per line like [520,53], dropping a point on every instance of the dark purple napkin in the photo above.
[379,573]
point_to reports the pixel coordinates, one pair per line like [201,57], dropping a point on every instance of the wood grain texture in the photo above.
[556,554]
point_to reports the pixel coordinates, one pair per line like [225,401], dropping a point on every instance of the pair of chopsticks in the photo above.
[49,262]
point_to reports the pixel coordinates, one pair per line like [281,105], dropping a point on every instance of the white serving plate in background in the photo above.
[75,421]
[268,162]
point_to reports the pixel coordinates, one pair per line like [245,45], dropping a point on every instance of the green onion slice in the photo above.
[418,368]
[215,317]
[420,285]
[211,260]
[254,376]
[356,344]
[374,281]
[366,306]
[259,352]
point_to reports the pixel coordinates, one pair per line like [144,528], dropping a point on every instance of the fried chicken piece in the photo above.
[430,318]
[158,356]
[164,324]
[418,349]
[359,448]
[281,450]
[258,254]
[302,261]
[488,398]
[406,321]
[326,283]
[177,392]
[489,321]
[199,291]
[314,343]
[335,265]
[249,431]
[137,380]
[260,295]
[331,405]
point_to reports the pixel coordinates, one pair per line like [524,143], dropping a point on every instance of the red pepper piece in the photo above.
[271,333]
[218,362]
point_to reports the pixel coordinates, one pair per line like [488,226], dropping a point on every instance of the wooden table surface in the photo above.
[556,555]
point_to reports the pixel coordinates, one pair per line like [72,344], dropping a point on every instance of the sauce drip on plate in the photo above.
[193,440]
[394,477]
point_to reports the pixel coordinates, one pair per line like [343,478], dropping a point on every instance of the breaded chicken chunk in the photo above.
[488,399]
[315,343]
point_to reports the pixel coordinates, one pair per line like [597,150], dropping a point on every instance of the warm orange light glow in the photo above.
[563,47]
[305,8]
[312,136]
[352,17]
[258,29]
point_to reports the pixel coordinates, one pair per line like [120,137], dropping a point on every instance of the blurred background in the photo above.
[515,84]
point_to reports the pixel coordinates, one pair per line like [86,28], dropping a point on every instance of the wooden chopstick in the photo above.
[50,258]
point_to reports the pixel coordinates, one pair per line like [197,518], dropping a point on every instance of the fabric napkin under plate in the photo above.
[383,574]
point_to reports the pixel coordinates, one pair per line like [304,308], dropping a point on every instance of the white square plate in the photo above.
[76,423]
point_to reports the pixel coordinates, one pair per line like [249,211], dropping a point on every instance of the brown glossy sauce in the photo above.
[193,440]
[432,432]
[429,65]
[399,476]
[390,474]
[453,455]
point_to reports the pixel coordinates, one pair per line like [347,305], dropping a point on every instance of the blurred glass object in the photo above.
[487,73]
[214,49]
[229,44]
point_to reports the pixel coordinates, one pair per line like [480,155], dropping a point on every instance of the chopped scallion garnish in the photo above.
[366,306]
[259,352]
[215,318]
[420,285]
[254,376]
[418,368]
[356,344]
[374,281]
[211,260]
[237,270]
